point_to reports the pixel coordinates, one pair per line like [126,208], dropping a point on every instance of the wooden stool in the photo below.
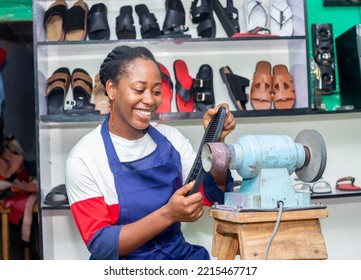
[247,234]
[5,238]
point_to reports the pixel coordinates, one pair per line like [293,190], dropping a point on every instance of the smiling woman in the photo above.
[128,195]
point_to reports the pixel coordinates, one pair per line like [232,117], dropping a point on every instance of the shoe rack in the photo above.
[58,133]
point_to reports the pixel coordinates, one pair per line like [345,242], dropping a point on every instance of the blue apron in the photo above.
[145,185]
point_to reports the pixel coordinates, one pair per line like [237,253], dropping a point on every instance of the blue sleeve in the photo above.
[211,190]
[104,244]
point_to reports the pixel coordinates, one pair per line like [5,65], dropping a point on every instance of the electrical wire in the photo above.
[280,207]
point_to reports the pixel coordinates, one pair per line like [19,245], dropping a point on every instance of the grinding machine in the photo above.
[265,163]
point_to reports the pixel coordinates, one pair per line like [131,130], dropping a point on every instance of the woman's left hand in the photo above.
[229,123]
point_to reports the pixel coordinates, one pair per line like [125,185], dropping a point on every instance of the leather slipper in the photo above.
[54,21]
[347,187]
[76,22]
[174,24]
[167,90]
[124,23]
[97,23]
[284,96]
[82,85]
[261,89]
[228,19]
[57,88]
[57,196]
[236,86]
[183,87]
[203,88]
[203,16]
[149,27]
[100,98]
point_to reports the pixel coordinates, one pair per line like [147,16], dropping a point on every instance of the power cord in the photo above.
[280,207]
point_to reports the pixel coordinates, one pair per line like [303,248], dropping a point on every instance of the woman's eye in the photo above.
[157,92]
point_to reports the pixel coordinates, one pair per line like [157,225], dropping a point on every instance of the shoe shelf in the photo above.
[241,54]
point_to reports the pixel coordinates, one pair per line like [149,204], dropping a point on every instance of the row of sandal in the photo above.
[269,89]
[85,98]
[267,92]
[78,22]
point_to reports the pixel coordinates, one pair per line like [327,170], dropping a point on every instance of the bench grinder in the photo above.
[265,163]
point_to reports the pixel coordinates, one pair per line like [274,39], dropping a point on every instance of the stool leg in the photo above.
[5,235]
[229,247]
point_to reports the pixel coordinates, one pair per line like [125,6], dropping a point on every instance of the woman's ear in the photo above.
[110,88]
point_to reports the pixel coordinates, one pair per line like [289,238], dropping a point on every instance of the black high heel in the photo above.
[174,22]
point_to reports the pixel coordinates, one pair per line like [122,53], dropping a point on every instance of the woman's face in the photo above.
[136,98]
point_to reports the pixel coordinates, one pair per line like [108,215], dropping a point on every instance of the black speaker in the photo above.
[348,49]
[324,54]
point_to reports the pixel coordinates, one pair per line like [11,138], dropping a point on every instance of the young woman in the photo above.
[125,178]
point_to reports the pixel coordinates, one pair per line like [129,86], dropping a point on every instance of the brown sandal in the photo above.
[283,88]
[100,99]
[261,90]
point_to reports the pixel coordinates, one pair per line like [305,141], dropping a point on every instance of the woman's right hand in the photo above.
[184,208]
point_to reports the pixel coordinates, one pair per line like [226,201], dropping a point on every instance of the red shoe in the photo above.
[183,87]
[167,91]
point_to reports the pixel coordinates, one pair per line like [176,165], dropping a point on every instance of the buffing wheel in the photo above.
[316,155]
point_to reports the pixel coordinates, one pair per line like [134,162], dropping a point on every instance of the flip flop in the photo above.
[76,22]
[203,88]
[236,86]
[347,187]
[281,18]
[255,14]
[54,21]
[183,87]
[167,90]
[57,88]
[284,96]
[97,23]
[261,89]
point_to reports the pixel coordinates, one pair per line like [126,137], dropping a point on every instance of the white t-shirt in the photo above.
[88,173]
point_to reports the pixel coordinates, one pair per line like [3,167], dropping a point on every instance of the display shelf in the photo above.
[57,134]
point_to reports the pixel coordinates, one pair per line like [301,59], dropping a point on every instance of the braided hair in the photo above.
[118,60]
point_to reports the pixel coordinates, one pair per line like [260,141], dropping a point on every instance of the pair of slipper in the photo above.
[191,94]
[202,15]
[173,26]
[58,85]
[77,22]
[61,23]
[267,89]
[279,11]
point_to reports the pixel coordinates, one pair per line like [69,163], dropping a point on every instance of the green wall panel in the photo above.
[16,10]
[341,18]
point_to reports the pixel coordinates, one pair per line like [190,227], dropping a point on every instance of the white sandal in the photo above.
[281,18]
[255,14]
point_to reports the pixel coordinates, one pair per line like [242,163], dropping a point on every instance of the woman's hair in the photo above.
[118,60]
